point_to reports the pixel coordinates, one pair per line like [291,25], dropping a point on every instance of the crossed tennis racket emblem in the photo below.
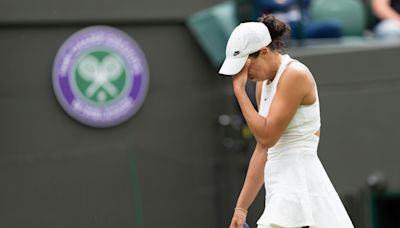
[100,75]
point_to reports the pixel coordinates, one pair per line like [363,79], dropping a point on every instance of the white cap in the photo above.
[245,39]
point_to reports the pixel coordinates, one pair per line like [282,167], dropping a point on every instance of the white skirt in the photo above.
[273,226]
[299,191]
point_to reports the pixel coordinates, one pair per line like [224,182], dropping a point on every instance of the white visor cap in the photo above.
[245,39]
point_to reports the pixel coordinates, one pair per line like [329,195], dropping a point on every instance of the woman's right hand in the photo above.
[238,219]
[240,79]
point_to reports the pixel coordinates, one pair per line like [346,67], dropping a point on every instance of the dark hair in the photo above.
[279,31]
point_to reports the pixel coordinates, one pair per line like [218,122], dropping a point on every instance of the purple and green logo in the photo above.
[100,76]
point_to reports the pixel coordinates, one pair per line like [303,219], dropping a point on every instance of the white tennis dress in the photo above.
[298,190]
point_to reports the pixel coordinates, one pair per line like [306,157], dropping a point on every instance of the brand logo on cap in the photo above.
[100,76]
[236,53]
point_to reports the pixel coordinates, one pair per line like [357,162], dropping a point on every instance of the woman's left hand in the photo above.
[240,79]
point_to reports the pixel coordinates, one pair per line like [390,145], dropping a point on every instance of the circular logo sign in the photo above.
[100,76]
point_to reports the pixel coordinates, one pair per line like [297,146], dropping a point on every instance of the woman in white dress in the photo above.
[299,193]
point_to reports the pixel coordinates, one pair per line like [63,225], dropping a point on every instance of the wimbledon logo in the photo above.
[100,76]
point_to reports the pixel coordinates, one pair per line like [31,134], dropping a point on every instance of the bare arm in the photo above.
[252,185]
[383,10]
[255,173]
[292,89]
[254,178]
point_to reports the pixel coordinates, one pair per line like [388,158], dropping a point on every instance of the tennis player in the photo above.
[299,192]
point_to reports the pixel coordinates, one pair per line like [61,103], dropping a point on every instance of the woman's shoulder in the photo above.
[297,67]
[296,74]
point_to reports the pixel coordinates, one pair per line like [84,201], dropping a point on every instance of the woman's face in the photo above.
[262,65]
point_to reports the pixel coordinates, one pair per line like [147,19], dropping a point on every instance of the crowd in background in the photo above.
[325,19]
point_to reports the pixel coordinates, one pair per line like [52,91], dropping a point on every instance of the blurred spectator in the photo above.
[388,12]
[296,14]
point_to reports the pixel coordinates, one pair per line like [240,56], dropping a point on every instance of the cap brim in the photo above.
[233,66]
